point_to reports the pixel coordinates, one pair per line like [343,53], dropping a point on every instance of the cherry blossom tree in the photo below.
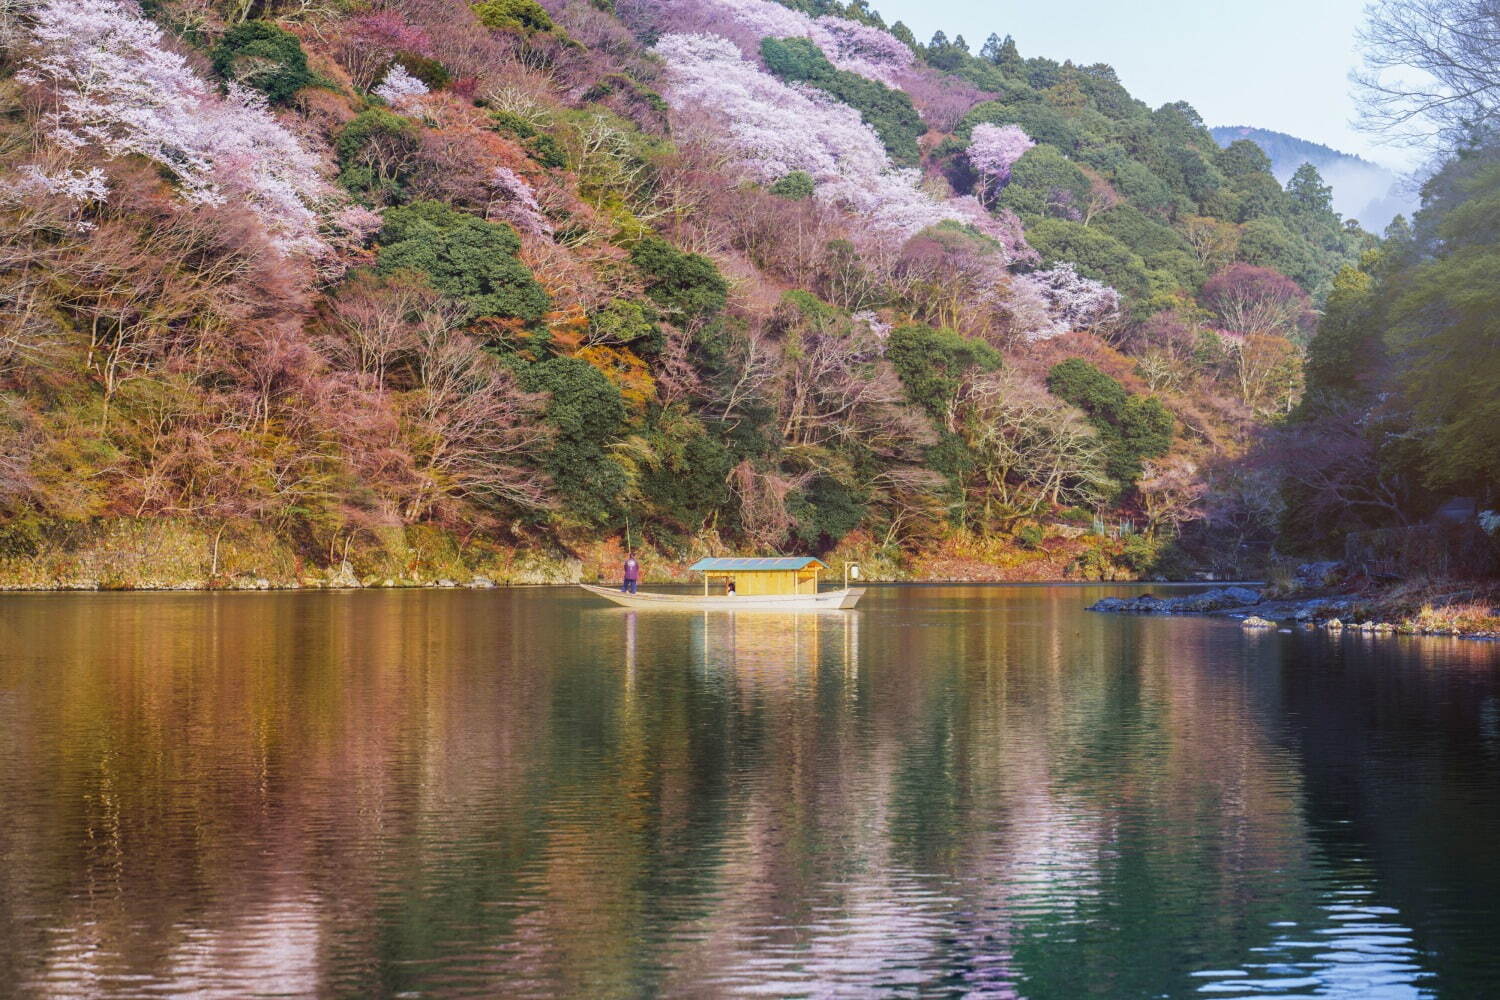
[514,201]
[994,149]
[1073,301]
[772,129]
[868,51]
[73,184]
[941,98]
[113,86]
[400,89]
[849,45]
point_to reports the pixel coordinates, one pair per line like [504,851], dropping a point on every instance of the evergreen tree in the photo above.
[1308,194]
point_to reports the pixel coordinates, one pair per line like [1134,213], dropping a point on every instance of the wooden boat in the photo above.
[775,583]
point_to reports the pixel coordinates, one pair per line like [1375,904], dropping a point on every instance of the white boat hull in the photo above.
[828,600]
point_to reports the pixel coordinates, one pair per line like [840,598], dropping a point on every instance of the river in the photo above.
[952,791]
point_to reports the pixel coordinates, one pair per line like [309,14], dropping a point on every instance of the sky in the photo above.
[1275,64]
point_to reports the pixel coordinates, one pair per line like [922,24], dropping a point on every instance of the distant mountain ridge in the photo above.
[1361,190]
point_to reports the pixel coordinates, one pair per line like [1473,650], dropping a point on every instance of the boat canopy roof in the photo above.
[767,564]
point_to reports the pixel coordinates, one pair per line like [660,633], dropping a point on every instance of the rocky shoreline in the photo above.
[1345,612]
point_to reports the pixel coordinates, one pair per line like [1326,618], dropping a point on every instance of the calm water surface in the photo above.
[954,791]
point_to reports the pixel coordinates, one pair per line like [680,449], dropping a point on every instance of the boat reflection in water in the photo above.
[771,650]
[761,650]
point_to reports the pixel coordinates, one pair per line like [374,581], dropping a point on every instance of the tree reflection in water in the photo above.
[965,791]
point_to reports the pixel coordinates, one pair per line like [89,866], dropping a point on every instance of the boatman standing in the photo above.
[632,574]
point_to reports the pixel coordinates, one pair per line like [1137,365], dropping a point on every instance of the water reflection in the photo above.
[951,791]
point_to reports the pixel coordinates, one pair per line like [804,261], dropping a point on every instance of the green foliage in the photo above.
[1347,346]
[826,511]
[547,151]
[955,460]
[1259,196]
[623,321]
[586,413]
[796,59]
[1177,268]
[796,185]
[525,16]
[1180,125]
[1200,179]
[933,365]
[1132,427]
[1030,536]
[1098,254]
[1308,195]
[1444,324]
[620,84]
[1271,243]
[1243,158]
[1140,553]
[1138,231]
[686,285]
[889,112]
[1144,190]
[690,484]
[1086,387]
[615,163]
[1044,182]
[264,57]
[463,256]
[1147,428]
[375,152]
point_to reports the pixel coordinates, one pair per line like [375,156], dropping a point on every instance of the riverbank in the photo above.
[1461,608]
[166,554]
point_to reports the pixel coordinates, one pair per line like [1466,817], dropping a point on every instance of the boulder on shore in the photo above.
[1217,599]
[1255,622]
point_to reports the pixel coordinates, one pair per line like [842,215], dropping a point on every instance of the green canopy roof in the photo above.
[767,564]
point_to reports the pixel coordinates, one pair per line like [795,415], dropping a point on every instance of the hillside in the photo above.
[451,289]
[1361,190]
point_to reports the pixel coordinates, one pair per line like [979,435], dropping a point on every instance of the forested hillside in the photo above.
[1362,190]
[329,291]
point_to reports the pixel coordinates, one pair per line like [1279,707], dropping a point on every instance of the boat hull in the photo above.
[828,600]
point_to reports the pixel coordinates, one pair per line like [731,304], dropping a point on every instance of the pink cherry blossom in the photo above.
[400,89]
[773,129]
[849,45]
[994,149]
[116,89]
[870,52]
[82,186]
[1072,301]
[516,203]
